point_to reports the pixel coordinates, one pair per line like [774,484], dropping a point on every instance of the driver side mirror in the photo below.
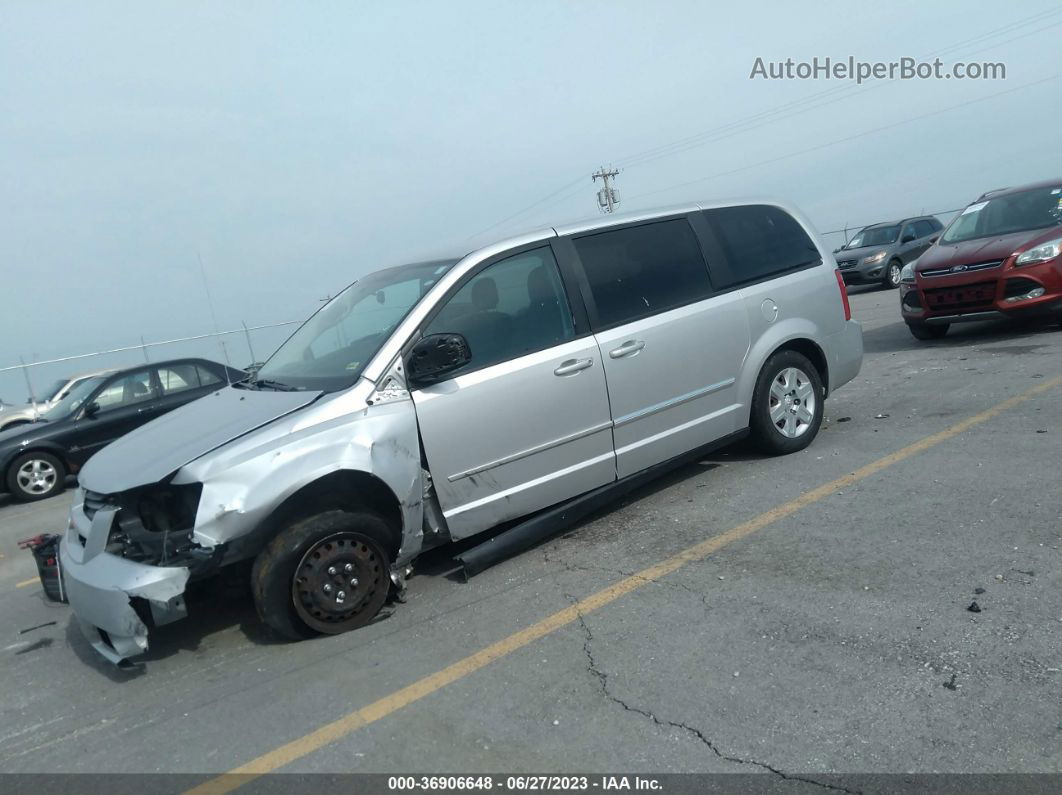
[908,237]
[92,409]
[436,356]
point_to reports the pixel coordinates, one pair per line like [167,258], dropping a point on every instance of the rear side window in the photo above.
[924,228]
[642,270]
[206,378]
[761,241]
[178,378]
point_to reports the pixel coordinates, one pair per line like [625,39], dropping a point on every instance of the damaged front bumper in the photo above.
[112,597]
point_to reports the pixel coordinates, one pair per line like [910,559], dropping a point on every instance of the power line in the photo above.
[863,134]
[810,102]
[862,226]
[783,111]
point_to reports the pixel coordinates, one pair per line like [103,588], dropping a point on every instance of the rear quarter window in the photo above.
[760,241]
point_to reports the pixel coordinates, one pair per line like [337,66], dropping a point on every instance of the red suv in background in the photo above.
[1000,257]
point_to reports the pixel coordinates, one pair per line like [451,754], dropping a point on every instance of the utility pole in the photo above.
[607,198]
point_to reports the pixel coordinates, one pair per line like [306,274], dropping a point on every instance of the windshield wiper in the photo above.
[276,386]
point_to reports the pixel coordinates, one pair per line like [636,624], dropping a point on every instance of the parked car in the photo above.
[36,458]
[521,385]
[55,392]
[999,258]
[878,253]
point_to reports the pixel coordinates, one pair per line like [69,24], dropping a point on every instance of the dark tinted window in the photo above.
[760,241]
[642,270]
[514,307]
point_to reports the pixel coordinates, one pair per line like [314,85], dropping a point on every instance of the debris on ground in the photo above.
[979,591]
[881,416]
[950,684]
[974,607]
[844,419]
[39,626]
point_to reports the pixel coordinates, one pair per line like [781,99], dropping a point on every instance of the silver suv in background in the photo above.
[521,385]
[878,253]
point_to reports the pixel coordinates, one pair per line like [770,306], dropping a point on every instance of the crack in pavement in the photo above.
[602,679]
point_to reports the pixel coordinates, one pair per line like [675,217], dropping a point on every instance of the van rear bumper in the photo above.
[844,351]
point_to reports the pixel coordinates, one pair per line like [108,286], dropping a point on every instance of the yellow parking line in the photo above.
[24,583]
[301,746]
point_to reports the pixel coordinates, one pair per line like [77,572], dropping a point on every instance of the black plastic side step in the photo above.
[551,521]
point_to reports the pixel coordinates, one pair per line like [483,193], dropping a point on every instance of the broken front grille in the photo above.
[968,296]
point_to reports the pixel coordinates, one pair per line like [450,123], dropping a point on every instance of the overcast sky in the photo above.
[294,146]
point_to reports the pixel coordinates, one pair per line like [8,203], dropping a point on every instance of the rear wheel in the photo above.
[35,476]
[890,280]
[925,331]
[327,574]
[787,404]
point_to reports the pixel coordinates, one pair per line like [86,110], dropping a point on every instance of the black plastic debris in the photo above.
[950,684]
[38,626]
[45,550]
[974,607]
[844,419]
[979,591]
[881,416]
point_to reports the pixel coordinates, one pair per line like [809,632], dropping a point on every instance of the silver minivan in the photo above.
[511,390]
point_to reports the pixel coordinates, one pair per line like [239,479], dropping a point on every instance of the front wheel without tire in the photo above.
[35,476]
[787,404]
[327,574]
[924,331]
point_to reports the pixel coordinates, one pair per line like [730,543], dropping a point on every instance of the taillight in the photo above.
[844,295]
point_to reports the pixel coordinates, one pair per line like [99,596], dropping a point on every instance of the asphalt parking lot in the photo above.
[825,629]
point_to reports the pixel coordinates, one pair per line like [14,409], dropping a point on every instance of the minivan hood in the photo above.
[983,249]
[162,446]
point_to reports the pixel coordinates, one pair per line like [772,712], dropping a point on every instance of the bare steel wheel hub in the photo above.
[36,477]
[336,580]
[792,405]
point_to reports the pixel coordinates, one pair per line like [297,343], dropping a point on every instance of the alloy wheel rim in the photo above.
[894,274]
[36,477]
[792,402]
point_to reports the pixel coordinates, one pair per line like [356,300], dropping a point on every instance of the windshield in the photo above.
[73,399]
[1016,212]
[875,236]
[330,350]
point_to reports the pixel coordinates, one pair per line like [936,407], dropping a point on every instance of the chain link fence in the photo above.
[245,347]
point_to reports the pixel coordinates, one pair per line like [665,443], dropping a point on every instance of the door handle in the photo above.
[629,348]
[573,366]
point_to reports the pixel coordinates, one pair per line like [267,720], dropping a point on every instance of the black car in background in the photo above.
[878,253]
[36,458]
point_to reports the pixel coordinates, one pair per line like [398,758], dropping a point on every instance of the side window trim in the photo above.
[584,281]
